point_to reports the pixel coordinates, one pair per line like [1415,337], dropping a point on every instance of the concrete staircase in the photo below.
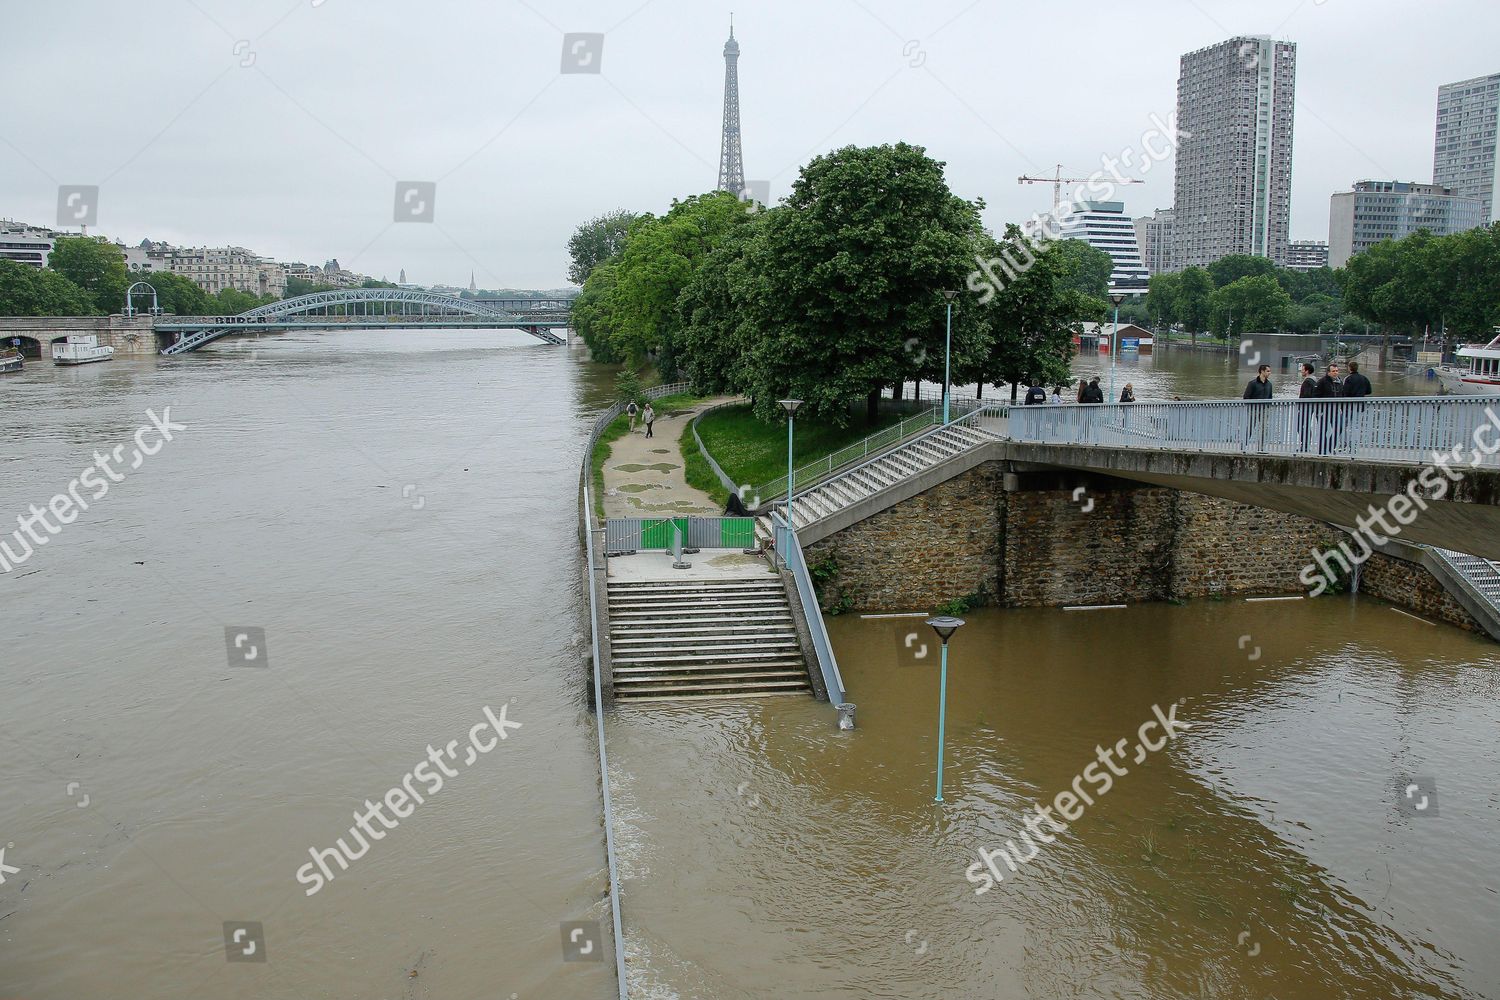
[853,485]
[1474,582]
[693,639]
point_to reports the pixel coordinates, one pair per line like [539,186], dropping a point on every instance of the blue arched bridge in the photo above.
[371,308]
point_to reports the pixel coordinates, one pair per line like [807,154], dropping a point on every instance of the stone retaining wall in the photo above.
[1409,585]
[1104,541]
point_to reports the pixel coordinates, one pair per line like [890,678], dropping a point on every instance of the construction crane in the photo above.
[1057,180]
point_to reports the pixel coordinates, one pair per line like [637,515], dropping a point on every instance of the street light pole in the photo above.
[944,626]
[790,405]
[948,352]
[1114,336]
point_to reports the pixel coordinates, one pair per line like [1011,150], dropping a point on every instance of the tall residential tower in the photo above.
[1463,156]
[1234,155]
[731,158]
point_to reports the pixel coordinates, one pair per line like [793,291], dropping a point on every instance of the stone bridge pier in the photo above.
[130,336]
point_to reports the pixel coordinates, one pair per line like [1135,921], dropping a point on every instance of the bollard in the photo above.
[846,714]
[677,537]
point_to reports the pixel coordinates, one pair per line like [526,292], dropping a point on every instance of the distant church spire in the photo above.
[403,276]
[472,287]
[731,157]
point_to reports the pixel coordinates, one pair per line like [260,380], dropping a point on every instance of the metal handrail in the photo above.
[1400,429]
[811,473]
[586,518]
[789,549]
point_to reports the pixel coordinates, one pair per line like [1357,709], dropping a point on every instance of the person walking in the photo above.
[1308,390]
[631,411]
[1259,389]
[648,418]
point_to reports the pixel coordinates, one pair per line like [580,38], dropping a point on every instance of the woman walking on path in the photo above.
[649,418]
[631,411]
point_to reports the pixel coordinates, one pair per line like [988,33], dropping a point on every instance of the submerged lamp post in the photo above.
[948,350]
[790,405]
[944,626]
[1114,336]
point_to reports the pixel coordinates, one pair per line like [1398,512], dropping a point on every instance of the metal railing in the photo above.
[1483,574]
[1395,430]
[789,550]
[661,534]
[808,475]
[586,520]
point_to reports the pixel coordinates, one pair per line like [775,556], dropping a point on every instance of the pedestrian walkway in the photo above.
[643,477]
[720,628]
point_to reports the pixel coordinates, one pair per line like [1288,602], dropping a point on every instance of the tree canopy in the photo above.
[95,265]
[596,241]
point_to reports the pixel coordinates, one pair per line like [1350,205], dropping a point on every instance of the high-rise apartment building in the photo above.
[1306,255]
[1468,132]
[1104,225]
[1153,234]
[1388,210]
[1234,156]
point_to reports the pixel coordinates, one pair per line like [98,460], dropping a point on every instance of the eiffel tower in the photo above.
[731,158]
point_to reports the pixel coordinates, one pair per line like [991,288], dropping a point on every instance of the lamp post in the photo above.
[1116,298]
[944,626]
[948,351]
[790,405]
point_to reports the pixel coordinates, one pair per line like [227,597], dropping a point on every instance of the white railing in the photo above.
[1393,430]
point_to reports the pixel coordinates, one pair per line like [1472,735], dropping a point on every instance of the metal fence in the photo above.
[1398,430]
[790,553]
[643,534]
[812,472]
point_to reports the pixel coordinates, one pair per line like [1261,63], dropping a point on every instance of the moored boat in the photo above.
[80,349]
[1478,371]
[11,360]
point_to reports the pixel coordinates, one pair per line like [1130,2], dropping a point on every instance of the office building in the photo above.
[1233,186]
[1306,255]
[1103,225]
[1388,210]
[1153,234]
[1463,155]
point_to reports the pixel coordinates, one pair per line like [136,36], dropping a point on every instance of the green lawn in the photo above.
[754,452]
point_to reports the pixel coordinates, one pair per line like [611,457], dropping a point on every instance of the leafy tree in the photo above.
[716,334]
[842,281]
[596,313]
[301,286]
[1190,306]
[1033,319]
[1473,305]
[656,264]
[1087,268]
[95,265]
[1255,303]
[596,241]
[29,291]
[1161,297]
[1227,270]
[231,301]
[628,386]
[176,294]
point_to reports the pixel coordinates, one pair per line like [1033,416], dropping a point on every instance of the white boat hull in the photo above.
[69,362]
[1463,383]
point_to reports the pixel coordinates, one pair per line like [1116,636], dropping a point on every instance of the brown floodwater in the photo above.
[390,521]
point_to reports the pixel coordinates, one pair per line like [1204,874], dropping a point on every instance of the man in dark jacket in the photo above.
[1356,386]
[1036,395]
[1330,386]
[1259,389]
[1093,394]
[1308,390]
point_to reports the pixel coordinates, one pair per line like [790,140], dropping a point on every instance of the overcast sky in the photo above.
[284,125]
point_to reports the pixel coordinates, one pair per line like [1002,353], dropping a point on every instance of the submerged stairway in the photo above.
[853,485]
[676,640]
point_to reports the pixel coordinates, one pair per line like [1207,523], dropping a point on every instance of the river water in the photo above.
[389,522]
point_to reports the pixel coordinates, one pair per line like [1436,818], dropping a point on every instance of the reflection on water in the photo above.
[1263,854]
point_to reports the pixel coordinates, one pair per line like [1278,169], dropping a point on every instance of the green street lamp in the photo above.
[1116,298]
[790,405]
[948,351]
[944,626]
